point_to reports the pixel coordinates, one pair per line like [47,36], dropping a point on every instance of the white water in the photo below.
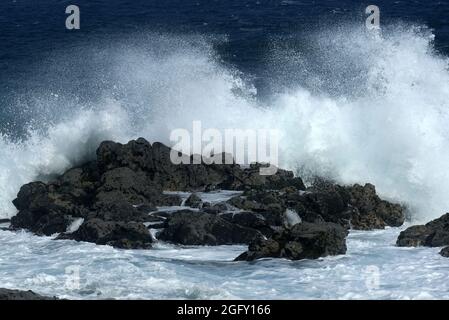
[373,268]
[387,126]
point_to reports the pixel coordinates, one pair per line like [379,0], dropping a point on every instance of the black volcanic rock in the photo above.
[188,227]
[126,235]
[373,209]
[302,241]
[445,252]
[116,193]
[354,207]
[8,294]
[433,234]
[251,220]
[193,201]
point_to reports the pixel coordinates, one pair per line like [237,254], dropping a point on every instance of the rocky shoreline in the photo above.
[115,200]
[433,234]
[130,198]
[8,294]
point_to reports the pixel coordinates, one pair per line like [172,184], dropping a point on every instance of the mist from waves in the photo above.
[350,105]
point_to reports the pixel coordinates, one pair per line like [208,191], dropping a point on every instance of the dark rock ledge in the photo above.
[7,294]
[433,234]
[113,200]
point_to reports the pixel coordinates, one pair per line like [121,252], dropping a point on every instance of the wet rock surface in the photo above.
[115,199]
[433,234]
[302,241]
[199,228]
[8,294]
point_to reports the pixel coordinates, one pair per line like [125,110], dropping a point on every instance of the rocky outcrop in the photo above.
[108,201]
[302,241]
[188,227]
[194,201]
[7,294]
[120,234]
[373,211]
[154,160]
[433,234]
[357,207]
[445,252]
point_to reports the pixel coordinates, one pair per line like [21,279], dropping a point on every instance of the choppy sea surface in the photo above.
[373,268]
[349,104]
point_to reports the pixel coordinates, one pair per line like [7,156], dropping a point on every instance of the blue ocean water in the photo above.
[33,32]
[354,105]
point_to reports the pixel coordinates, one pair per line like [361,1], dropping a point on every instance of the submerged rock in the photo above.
[373,211]
[194,201]
[433,234]
[251,220]
[8,294]
[445,252]
[125,235]
[188,227]
[302,241]
[357,207]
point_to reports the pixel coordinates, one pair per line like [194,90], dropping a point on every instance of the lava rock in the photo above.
[302,241]
[125,184]
[120,210]
[125,235]
[188,227]
[194,201]
[445,252]
[8,294]
[169,200]
[433,234]
[250,220]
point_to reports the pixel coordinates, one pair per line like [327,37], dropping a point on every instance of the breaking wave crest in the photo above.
[351,105]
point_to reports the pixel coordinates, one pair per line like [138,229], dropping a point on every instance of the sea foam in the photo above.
[356,108]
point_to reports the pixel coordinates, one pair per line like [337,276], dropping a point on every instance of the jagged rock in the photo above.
[169,200]
[251,178]
[367,202]
[302,241]
[136,155]
[194,201]
[8,294]
[250,220]
[199,228]
[120,210]
[125,184]
[445,252]
[115,194]
[219,207]
[155,160]
[126,235]
[42,211]
[433,234]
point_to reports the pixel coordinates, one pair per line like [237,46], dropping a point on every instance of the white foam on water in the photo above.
[384,123]
[373,268]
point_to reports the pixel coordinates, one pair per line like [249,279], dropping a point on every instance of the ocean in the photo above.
[351,104]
